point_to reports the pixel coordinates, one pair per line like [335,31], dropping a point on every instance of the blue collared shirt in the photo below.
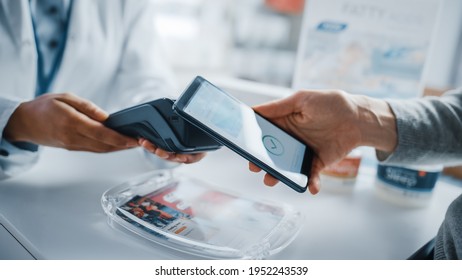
[50,19]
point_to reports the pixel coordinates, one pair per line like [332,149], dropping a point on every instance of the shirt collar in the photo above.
[63,8]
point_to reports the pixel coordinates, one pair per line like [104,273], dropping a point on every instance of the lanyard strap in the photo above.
[44,81]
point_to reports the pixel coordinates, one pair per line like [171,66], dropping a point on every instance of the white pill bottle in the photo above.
[409,185]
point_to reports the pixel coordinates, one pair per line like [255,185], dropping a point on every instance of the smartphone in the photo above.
[237,126]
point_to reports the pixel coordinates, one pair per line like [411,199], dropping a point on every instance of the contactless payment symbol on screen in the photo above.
[273,145]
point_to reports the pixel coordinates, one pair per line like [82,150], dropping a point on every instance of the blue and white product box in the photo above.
[407,185]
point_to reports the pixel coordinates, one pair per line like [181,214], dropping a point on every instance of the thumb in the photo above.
[277,108]
[83,106]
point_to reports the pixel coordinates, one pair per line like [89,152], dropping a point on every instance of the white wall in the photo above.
[447,35]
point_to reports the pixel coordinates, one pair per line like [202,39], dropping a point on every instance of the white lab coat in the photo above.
[112,57]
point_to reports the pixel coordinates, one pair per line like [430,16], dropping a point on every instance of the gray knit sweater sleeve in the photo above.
[429,130]
[448,241]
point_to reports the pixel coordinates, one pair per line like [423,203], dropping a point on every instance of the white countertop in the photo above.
[54,210]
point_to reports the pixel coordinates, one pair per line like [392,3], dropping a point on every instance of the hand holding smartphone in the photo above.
[235,125]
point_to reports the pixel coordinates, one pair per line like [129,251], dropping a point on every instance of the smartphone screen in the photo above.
[237,126]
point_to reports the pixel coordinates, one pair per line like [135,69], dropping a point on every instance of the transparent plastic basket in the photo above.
[193,217]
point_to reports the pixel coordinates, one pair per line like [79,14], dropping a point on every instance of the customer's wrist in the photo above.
[377,124]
